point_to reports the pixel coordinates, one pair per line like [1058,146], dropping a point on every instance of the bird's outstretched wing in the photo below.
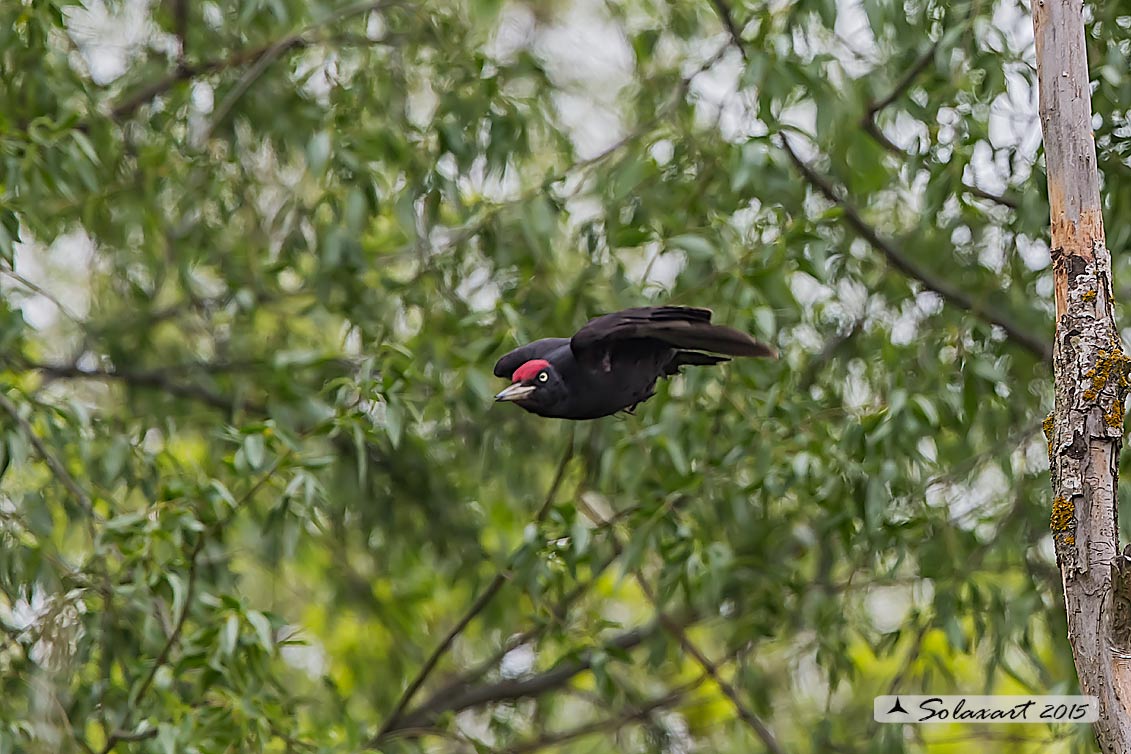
[505,366]
[677,326]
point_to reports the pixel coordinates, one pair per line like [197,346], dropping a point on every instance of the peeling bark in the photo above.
[1091,373]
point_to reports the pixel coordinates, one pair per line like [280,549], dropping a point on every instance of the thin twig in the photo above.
[190,587]
[52,462]
[121,736]
[747,715]
[558,612]
[826,354]
[872,127]
[727,17]
[895,257]
[868,122]
[147,93]
[34,287]
[950,292]
[912,657]
[167,649]
[903,84]
[262,63]
[677,630]
[615,722]
[638,711]
[1006,201]
[476,607]
[520,688]
[180,28]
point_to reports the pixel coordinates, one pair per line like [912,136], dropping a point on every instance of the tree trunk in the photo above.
[1086,428]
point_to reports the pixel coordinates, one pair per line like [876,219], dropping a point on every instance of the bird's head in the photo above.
[534,384]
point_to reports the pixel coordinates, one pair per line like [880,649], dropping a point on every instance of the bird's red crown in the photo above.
[529,369]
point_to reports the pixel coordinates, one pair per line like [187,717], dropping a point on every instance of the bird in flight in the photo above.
[612,363]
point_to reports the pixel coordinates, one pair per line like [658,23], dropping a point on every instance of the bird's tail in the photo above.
[720,339]
[693,333]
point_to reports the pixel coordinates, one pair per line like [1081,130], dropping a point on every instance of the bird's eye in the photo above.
[542,376]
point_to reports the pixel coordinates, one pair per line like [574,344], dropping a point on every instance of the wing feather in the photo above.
[678,326]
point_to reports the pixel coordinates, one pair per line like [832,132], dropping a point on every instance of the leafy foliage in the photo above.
[260,256]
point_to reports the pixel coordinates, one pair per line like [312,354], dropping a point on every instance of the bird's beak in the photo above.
[515,392]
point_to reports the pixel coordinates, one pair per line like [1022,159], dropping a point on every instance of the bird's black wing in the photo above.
[505,366]
[676,326]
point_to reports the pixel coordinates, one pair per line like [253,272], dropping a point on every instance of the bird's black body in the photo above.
[612,363]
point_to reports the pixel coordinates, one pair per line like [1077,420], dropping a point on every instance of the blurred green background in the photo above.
[259,257]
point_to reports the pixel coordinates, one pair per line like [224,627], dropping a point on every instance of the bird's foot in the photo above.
[631,410]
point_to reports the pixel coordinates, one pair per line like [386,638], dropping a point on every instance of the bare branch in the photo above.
[872,127]
[519,688]
[950,292]
[121,736]
[464,681]
[895,257]
[559,612]
[615,722]
[153,379]
[637,712]
[455,697]
[147,93]
[508,689]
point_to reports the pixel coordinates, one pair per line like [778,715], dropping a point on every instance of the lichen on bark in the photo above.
[1063,511]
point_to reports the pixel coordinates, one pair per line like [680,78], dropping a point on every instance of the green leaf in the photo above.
[255,451]
[394,423]
[580,536]
[124,521]
[318,152]
[230,634]
[679,460]
[696,247]
[9,235]
[38,515]
[167,738]
[180,594]
[262,628]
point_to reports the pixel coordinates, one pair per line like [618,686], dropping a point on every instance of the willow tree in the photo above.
[258,258]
